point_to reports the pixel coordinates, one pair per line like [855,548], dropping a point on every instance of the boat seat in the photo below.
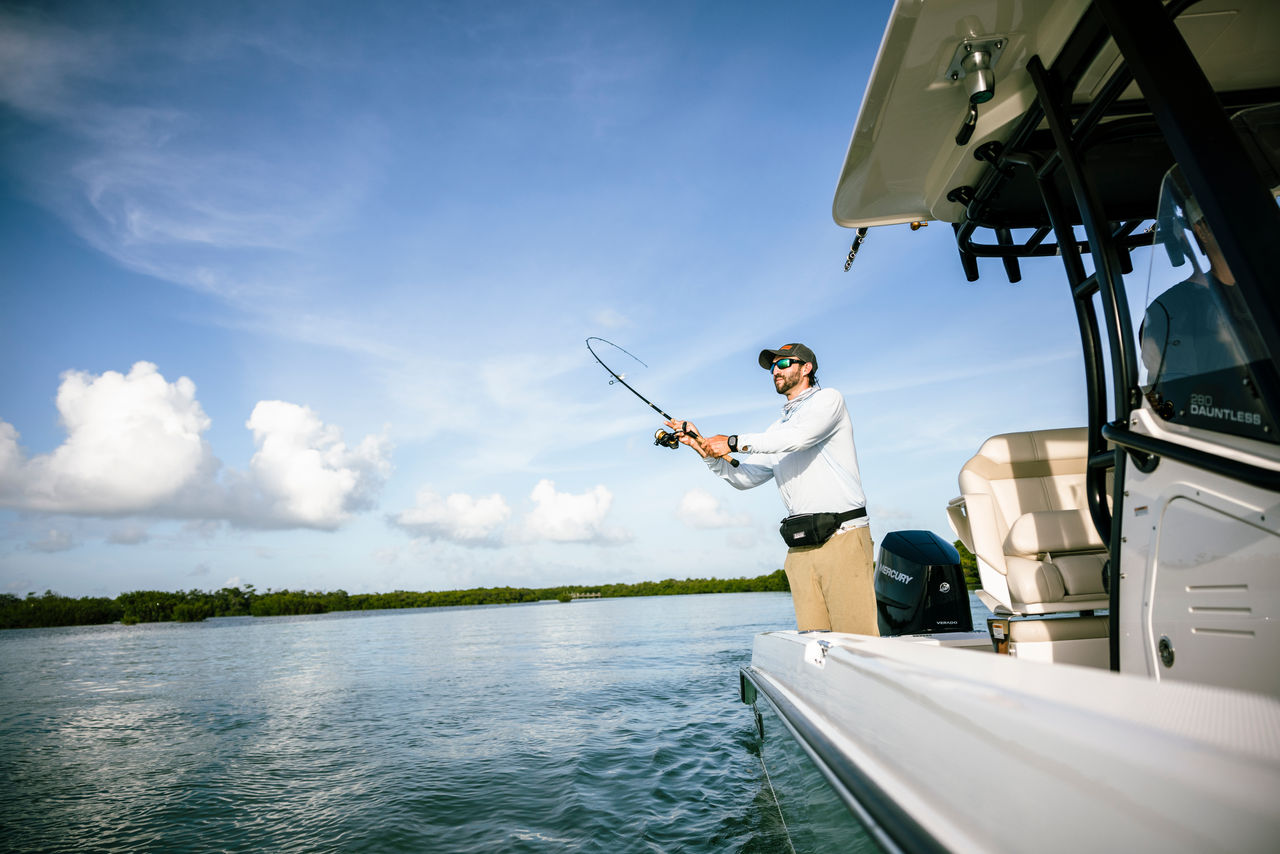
[1022,511]
[1064,640]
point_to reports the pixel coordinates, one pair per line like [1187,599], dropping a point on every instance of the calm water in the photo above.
[607,725]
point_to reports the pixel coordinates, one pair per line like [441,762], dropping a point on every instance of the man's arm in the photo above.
[813,422]
[743,476]
[739,476]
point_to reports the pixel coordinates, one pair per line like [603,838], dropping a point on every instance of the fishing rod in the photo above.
[660,437]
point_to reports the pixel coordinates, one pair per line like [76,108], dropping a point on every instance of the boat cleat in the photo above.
[815,652]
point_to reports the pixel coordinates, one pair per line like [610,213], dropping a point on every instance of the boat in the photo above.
[1124,693]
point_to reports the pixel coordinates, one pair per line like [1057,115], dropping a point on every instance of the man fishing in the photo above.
[810,452]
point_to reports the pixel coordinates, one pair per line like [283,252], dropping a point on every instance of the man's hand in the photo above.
[687,433]
[717,446]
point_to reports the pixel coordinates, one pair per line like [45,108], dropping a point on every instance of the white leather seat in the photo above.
[1022,511]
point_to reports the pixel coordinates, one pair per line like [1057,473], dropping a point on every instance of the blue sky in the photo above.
[295,294]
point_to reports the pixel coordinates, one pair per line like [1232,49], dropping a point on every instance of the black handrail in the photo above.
[1139,444]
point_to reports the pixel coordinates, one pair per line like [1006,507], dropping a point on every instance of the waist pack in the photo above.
[814,529]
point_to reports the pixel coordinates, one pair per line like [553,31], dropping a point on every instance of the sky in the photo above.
[296,294]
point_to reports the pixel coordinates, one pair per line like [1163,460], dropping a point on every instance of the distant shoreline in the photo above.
[156,606]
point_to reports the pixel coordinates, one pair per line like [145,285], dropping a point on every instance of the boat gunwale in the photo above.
[892,827]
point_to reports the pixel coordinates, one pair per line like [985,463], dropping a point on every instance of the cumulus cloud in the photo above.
[557,517]
[307,475]
[133,441]
[563,517]
[700,509]
[459,518]
[135,447]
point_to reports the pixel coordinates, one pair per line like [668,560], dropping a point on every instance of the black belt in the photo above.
[855,513]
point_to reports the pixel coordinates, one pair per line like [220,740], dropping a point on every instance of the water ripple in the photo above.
[599,726]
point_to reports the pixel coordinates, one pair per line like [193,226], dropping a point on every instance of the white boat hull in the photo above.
[961,750]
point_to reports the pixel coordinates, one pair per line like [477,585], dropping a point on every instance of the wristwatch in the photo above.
[733,443]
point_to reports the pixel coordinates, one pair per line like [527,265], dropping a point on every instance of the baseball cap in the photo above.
[795,351]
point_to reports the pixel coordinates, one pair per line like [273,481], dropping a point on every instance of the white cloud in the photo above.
[306,473]
[566,518]
[558,517]
[133,441]
[700,509]
[10,457]
[135,446]
[460,518]
[55,540]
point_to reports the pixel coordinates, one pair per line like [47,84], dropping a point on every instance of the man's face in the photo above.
[786,379]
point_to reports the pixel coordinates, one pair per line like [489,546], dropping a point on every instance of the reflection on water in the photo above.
[602,725]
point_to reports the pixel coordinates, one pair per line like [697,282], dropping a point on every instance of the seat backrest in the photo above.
[1023,496]
[1040,470]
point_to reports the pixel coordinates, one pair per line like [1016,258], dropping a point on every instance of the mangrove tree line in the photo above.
[151,606]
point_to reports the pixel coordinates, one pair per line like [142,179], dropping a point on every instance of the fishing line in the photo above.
[786,831]
[661,437]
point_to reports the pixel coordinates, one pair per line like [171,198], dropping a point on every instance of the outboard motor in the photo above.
[920,586]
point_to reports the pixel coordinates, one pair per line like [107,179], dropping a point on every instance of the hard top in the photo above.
[903,159]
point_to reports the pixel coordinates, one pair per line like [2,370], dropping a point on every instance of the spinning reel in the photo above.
[665,439]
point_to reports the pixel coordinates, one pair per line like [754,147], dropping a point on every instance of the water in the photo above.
[605,725]
[601,725]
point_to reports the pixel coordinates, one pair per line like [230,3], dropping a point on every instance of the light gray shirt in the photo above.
[809,451]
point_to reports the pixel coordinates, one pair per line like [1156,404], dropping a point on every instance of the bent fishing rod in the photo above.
[660,437]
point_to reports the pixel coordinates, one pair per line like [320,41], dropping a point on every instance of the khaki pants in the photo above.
[833,585]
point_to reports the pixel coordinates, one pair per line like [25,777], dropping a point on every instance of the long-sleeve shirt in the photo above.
[809,451]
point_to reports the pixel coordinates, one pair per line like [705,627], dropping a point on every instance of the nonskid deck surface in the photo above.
[1066,755]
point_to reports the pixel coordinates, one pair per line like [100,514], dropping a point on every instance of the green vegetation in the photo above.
[969,564]
[54,610]
[151,606]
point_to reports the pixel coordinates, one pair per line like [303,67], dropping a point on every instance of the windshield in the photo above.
[1200,348]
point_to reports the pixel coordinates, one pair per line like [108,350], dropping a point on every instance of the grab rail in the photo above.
[1132,442]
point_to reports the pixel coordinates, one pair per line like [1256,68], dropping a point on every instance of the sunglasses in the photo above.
[783,364]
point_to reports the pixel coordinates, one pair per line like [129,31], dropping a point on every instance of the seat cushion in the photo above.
[1033,580]
[1081,574]
[1050,631]
[1052,532]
